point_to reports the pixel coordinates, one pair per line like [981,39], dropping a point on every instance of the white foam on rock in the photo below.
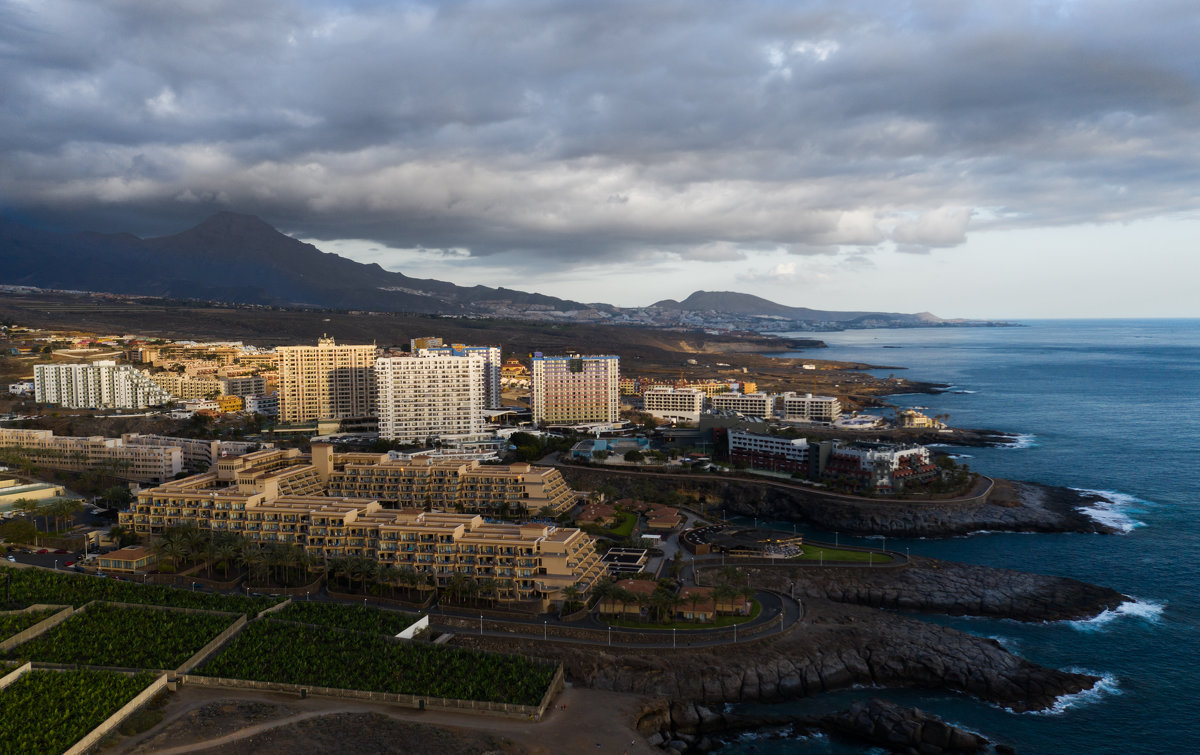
[1021,440]
[1105,687]
[1113,509]
[1146,610]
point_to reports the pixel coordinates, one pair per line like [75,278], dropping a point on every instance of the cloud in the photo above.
[552,134]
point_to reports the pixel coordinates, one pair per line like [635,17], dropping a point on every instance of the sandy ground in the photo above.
[207,720]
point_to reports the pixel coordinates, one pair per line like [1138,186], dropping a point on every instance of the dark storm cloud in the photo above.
[568,130]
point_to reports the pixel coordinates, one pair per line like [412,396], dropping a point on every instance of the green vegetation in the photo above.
[106,635]
[12,623]
[357,618]
[814,553]
[39,586]
[624,528]
[268,650]
[48,711]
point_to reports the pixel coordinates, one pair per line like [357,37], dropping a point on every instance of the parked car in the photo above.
[10,558]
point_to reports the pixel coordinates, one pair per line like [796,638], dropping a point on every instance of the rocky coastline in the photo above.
[1010,506]
[931,585]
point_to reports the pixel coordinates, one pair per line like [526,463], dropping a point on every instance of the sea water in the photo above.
[1105,405]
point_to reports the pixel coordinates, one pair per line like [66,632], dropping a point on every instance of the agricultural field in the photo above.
[268,650]
[11,623]
[40,586]
[358,618]
[106,635]
[48,711]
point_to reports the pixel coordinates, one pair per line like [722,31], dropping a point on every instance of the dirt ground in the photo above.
[207,720]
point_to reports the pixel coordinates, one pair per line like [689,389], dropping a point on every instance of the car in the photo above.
[10,558]
[60,550]
[43,550]
[69,563]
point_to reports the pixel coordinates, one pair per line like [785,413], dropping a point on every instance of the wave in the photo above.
[1147,610]
[1101,689]
[964,391]
[1112,508]
[1021,440]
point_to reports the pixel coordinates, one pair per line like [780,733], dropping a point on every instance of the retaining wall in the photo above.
[211,647]
[419,702]
[45,624]
[93,737]
[15,674]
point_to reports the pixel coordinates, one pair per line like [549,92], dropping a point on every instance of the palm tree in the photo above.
[224,552]
[570,595]
[27,508]
[695,598]
[490,588]
[172,549]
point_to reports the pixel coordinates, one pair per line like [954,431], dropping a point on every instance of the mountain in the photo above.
[748,305]
[242,259]
[237,258]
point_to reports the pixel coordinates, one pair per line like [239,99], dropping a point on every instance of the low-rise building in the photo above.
[130,560]
[676,405]
[748,404]
[280,496]
[809,408]
[769,452]
[113,456]
[268,406]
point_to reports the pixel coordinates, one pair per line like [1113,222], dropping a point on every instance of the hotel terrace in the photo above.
[278,496]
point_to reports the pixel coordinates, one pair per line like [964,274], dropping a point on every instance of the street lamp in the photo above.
[545,630]
[673,630]
[480,625]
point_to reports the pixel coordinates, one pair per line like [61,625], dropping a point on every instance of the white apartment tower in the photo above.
[491,366]
[428,397]
[326,381]
[99,385]
[572,389]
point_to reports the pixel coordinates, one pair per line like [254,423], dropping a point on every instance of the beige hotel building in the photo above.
[326,381]
[281,496]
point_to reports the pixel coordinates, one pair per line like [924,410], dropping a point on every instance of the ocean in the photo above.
[1105,405]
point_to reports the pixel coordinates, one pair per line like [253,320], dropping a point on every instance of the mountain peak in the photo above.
[226,223]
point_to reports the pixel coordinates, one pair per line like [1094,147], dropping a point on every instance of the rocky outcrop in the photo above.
[935,586]
[689,728]
[835,647]
[906,730]
[1010,507]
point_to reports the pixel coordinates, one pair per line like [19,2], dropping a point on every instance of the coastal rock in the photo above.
[836,646]
[932,585]
[1011,506]
[903,729]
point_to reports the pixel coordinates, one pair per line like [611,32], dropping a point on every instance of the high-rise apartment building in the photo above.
[571,389]
[491,366]
[100,385]
[429,397]
[326,381]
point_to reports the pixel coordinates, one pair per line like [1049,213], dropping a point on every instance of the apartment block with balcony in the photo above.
[491,366]
[420,399]
[675,404]
[100,385]
[748,404]
[572,389]
[127,460]
[326,381]
[806,407]
[275,497]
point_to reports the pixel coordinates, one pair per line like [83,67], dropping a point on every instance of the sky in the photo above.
[974,159]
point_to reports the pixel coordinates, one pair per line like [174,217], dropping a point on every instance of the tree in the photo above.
[18,531]
[118,496]
[634,455]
